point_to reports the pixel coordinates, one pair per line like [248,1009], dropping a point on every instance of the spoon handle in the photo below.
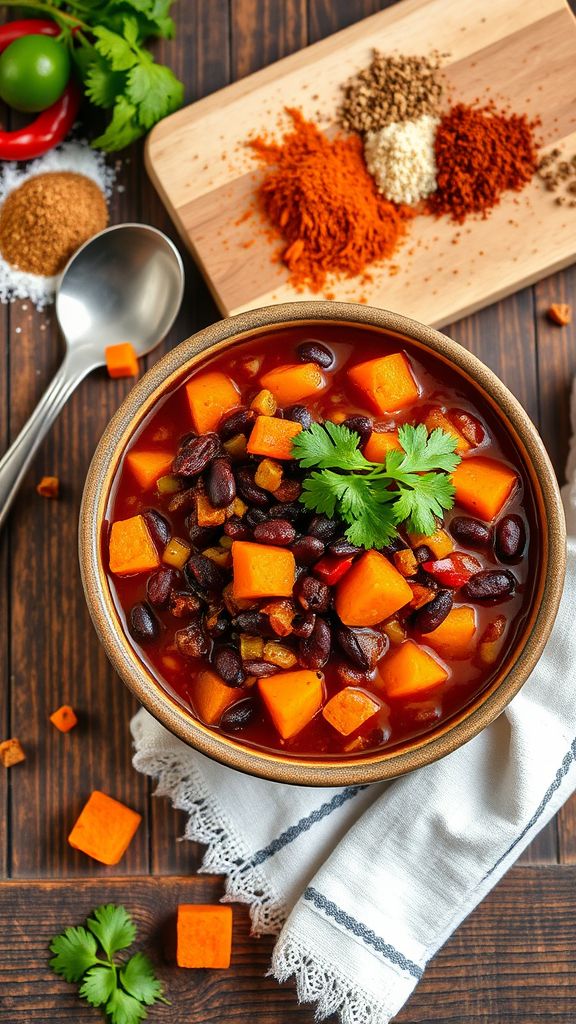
[15,462]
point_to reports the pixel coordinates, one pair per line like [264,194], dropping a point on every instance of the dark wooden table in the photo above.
[514,960]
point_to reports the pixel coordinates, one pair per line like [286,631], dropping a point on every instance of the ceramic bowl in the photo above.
[377,765]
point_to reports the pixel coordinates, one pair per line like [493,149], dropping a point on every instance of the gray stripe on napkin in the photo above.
[362,932]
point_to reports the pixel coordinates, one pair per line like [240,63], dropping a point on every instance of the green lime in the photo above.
[34,71]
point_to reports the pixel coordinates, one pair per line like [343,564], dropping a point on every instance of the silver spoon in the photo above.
[124,284]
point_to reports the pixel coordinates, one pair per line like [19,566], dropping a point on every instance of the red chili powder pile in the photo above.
[323,201]
[480,153]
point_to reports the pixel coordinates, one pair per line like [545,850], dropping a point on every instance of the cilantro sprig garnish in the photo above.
[411,487]
[123,988]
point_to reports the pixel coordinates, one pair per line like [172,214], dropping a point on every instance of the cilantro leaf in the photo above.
[329,445]
[123,1008]
[75,951]
[425,452]
[98,985]
[320,491]
[373,527]
[139,980]
[418,507]
[118,50]
[102,84]
[122,129]
[155,90]
[113,927]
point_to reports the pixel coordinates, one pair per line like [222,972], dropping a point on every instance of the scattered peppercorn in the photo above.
[558,173]
[391,88]
[560,313]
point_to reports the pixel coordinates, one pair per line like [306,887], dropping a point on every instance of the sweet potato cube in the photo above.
[64,718]
[371,591]
[210,395]
[11,752]
[453,637]
[439,542]
[104,829]
[261,570]
[147,467]
[211,696]
[409,670]
[436,418]
[273,437]
[380,443]
[292,699]
[132,549]
[386,381]
[292,383]
[347,710]
[203,935]
[121,360]
[483,486]
[49,487]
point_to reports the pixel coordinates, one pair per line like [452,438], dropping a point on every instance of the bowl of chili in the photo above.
[322,543]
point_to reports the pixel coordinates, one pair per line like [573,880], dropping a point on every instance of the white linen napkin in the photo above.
[365,884]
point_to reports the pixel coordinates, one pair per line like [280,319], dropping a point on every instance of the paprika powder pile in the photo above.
[480,153]
[324,202]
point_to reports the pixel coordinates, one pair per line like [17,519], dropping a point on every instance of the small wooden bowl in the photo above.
[320,771]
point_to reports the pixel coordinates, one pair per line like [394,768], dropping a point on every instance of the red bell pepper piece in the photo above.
[13,30]
[453,571]
[331,568]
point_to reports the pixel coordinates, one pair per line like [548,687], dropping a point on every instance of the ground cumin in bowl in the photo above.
[48,217]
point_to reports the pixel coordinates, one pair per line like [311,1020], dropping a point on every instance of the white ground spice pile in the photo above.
[400,157]
[76,157]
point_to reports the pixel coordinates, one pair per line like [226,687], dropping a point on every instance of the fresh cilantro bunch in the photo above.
[411,487]
[107,40]
[123,988]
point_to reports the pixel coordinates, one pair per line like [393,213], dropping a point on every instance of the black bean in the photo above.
[315,352]
[343,547]
[470,532]
[323,527]
[291,510]
[192,641]
[255,516]
[183,605]
[364,647]
[289,491]
[182,501]
[158,525]
[254,623]
[239,421]
[510,538]
[351,675]
[490,585]
[276,531]
[395,544]
[160,585]
[200,536]
[236,529]
[142,623]
[432,615]
[220,483]
[260,668]
[196,454]
[313,595]
[361,425]
[228,664]
[423,553]
[237,717]
[250,491]
[299,414]
[302,625]
[314,651]
[205,574]
[307,550]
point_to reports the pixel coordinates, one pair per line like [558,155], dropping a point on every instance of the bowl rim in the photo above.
[377,766]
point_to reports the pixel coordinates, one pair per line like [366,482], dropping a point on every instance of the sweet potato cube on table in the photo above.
[261,570]
[371,591]
[292,383]
[453,637]
[131,548]
[483,486]
[104,829]
[49,487]
[64,718]
[11,752]
[436,418]
[211,696]
[203,935]
[386,381]
[380,443]
[209,396]
[121,360]
[147,467]
[273,437]
[292,699]
[408,670]
[348,709]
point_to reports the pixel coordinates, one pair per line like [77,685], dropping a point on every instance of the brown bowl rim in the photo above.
[377,766]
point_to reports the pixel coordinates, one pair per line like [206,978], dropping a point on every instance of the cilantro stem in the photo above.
[60,17]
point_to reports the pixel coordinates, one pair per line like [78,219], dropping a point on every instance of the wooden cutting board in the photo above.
[521,53]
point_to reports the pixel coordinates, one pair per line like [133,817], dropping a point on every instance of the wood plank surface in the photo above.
[512,961]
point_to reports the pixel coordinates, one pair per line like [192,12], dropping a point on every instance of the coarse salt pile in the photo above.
[401,159]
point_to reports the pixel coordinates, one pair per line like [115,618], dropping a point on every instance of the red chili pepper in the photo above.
[53,124]
[331,568]
[454,570]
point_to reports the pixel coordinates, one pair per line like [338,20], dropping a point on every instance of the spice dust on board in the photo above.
[47,211]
